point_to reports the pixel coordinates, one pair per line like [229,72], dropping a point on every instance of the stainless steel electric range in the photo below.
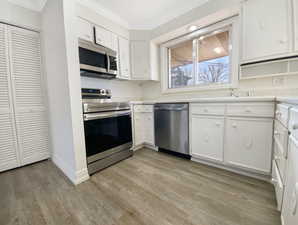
[108,129]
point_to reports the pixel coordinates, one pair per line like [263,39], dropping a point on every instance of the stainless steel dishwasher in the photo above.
[171,127]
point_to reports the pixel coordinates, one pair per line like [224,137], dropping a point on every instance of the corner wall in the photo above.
[64,96]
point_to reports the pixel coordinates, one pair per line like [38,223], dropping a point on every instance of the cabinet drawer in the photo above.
[208,109]
[251,109]
[280,159]
[293,124]
[278,185]
[281,136]
[282,114]
[143,108]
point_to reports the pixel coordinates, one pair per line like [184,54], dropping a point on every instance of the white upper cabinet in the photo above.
[114,42]
[124,59]
[248,143]
[144,60]
[103,37]
[266,29]
[84,29]
[207,135]
[140,60]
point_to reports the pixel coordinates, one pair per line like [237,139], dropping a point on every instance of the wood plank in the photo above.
[150,188]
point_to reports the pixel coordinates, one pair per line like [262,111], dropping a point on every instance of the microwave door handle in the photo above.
[109,63]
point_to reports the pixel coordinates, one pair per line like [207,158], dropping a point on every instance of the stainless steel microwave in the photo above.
[97,61]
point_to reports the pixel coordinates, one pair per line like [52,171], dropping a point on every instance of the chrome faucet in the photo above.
[233,94]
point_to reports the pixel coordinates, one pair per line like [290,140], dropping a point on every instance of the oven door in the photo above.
[107,133]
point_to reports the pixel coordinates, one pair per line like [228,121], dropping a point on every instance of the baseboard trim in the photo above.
[76,177]
[234,170]
[82,176]
[144,145]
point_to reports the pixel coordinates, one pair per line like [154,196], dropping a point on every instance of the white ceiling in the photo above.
[148,14]
[133,14]
[36,5]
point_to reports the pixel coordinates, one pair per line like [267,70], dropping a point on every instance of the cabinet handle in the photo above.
[278,113]
[276,133]
[283,41]
[205,110]
[273,181]
[248,110]
[217,124]
[234,125]
[277,158]
[249,144]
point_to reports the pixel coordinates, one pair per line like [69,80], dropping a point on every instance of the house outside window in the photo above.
[203,59]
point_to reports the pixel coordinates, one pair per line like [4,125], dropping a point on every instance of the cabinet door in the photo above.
[114,42]
[295,14]
[140,59]
[248,143]
[124,58]
[290,202]
[9,157]
[103,37]
[29,101]
[84,29]
[207,135]
[149,128]
[138,129]
[266,29]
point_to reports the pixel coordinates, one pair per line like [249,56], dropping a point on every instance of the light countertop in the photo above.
[289,100]
[209,100]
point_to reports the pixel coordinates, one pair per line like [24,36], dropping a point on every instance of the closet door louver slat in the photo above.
[9,157]
[27,82]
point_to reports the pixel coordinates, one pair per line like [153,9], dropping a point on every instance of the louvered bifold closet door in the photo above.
[8,143]
[29,100]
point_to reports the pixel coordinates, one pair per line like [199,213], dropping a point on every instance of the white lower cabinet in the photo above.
[138,129]
[236,136]
[207,135]
[248,143]
[278,185]
[143,125]
[289,212]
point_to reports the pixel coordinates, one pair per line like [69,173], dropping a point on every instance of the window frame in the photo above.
[231,25]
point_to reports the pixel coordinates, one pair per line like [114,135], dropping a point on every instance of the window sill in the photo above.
[199,88]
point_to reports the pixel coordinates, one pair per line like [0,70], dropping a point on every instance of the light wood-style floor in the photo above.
[149,188]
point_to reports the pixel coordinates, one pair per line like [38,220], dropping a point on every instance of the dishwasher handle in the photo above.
[179,107]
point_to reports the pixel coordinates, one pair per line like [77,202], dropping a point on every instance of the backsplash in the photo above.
[121,90]
[268,86]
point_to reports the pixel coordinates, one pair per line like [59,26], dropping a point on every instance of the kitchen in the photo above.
[162,113]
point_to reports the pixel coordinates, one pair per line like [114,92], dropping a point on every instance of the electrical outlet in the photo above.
[278,81]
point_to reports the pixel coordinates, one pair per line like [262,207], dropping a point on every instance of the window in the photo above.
[201,59]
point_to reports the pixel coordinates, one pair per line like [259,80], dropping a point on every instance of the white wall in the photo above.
[63,80]
[16,15]
[121,90]
[203,15]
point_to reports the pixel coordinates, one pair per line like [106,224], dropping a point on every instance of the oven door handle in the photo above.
[96,116]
